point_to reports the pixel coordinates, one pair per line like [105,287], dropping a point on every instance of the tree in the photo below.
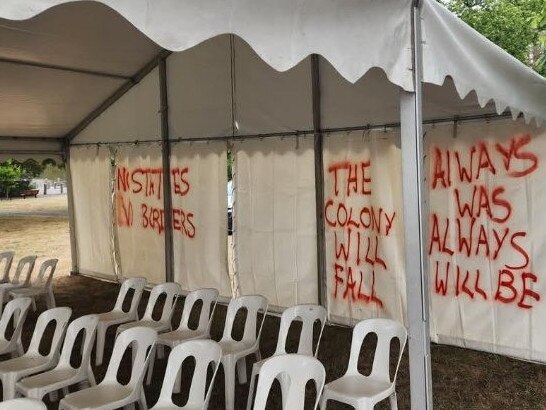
[517,26]
[10,174]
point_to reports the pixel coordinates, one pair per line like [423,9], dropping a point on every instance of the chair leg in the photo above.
[8,388]
[161,351]
[91,376]
[142,402]
[151,363]
[393,401]
[229,379]
[241,370]
[53,396]
[101,336]
[34,305]
[65,391]
[251,389]
[20,349]
[258,355]
[323,401]
[50,299]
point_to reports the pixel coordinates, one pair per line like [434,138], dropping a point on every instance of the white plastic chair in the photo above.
[17,309]
[43,285]
[205,352]
[117,316]
[364,392]
[19,279]
[33,361]
[308,315]
[22,404]
[110,394]
[7,258]
[297,370]
[64,374]
[234,352]
[163,324]
[208,297]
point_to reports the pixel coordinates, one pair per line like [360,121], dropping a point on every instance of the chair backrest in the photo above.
[299,370]
[137,284]
[7,258]
[253,304]
[171,291]
[61,316]
[23,403]
[205,352]
[386,330]
[44,277]
[28,263]
[308,315]
[208,297]
[141,340]
[18,309]
[87,324]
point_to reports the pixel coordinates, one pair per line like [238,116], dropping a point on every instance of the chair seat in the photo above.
[178,336]
[152,324]
[358,386]
[95,397]
[23,363]
[237,348]
[114,317]
[49,378]
[31,291]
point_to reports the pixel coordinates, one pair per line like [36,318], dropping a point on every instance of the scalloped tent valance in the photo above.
[353,35]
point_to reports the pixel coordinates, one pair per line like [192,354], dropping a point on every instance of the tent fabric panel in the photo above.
[69,36]
[199,197]
[199,90]
[486,242]
[365,271]
[139,211]
[22,150]
[274,219]
[135,116]
[90,169]
[269,101]
[283,32]
[452,48]
[47,103]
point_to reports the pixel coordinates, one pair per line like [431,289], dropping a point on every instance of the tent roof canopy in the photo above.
[59,59]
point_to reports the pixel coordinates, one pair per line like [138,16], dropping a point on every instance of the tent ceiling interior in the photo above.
[58,66]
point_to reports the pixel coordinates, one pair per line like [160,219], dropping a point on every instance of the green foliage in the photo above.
[10,175]
[53,172]
[518,26]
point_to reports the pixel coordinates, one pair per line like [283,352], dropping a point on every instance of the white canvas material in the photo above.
[41,286]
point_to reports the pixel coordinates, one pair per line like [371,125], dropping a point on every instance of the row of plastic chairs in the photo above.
[20,284]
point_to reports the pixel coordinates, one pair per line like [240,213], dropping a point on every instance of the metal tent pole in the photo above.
[319,180]
[166,157]
[415,229]
[71,215]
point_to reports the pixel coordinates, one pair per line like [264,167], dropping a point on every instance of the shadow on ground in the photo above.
[462,379]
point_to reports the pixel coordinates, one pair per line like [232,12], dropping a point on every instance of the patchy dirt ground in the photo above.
[462,379]
[37,226]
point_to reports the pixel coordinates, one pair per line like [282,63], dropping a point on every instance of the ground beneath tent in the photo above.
[463,379]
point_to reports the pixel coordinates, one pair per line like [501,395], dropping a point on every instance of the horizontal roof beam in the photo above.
[117,94]
[63,68]
[31,139]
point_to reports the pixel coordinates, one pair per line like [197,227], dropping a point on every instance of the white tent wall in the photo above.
[275,225]
[38,149]
[365,272]
[91,175]
[134,117]
[199,180]
[486,241]
[199,90]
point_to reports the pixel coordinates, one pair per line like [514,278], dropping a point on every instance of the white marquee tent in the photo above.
[322,104]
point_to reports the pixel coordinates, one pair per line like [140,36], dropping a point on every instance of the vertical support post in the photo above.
[415,229]
[71,216]
[319,180]
[166,157]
